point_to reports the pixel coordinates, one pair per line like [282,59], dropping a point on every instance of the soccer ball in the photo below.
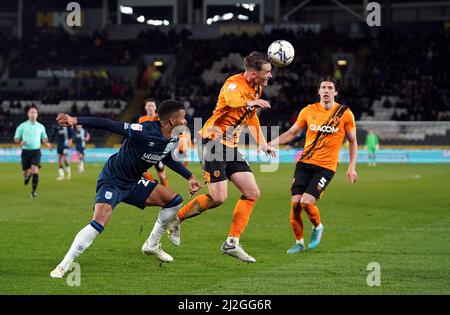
[281,53]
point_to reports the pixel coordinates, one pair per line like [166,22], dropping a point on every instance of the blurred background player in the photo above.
[29,135]
[372,145]
[121,178]
[236,107]
[150,110]
[63,137]
[326,122]
[80,137]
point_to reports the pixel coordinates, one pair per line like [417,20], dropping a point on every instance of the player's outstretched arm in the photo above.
[180,169]
[234,97]
[255,130]
[177,167]
[94,122]
[286,136]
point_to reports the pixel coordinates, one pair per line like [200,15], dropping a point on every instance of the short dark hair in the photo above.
[27,109]
[168,107]
[149,99]
[255,60]
[328,78]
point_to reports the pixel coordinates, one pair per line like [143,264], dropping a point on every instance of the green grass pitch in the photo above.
[396,215]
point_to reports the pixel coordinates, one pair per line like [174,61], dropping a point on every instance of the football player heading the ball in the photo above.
[221,161]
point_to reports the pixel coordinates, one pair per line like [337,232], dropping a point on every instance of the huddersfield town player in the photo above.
[63,137]
[121,178]
[81,136]
[150,110]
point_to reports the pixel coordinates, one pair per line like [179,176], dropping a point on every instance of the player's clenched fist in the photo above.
[66,120]
[194,185]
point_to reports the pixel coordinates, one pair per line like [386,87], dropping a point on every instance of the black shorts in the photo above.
[31,157]
[219,162]
[62,150]
[311,179]
[134,193]
[80,150]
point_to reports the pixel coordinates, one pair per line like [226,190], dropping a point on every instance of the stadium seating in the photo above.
[377,87]
[90,97]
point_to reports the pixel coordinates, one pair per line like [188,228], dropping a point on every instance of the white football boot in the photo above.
[57,273]
[236,251]
[156,251]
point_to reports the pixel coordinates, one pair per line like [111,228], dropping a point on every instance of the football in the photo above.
[281,53]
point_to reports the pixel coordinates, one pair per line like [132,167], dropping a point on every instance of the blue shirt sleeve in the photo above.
[53,133]
[105,124]
[135,131]
[70,133]
[176,166]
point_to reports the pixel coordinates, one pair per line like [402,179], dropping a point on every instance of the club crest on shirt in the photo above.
[136,127]
[216,173]
[108,195]
[232,87]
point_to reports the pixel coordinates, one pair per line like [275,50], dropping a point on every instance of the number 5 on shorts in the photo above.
[322,182]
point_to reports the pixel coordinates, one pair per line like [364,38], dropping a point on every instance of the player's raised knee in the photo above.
[175,201]
[218,198]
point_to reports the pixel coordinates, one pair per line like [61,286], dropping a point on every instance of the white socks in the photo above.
[81,166]
[62,170]
[301,242]
[68,171]
[318,227]
[166,215]
[82,241]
